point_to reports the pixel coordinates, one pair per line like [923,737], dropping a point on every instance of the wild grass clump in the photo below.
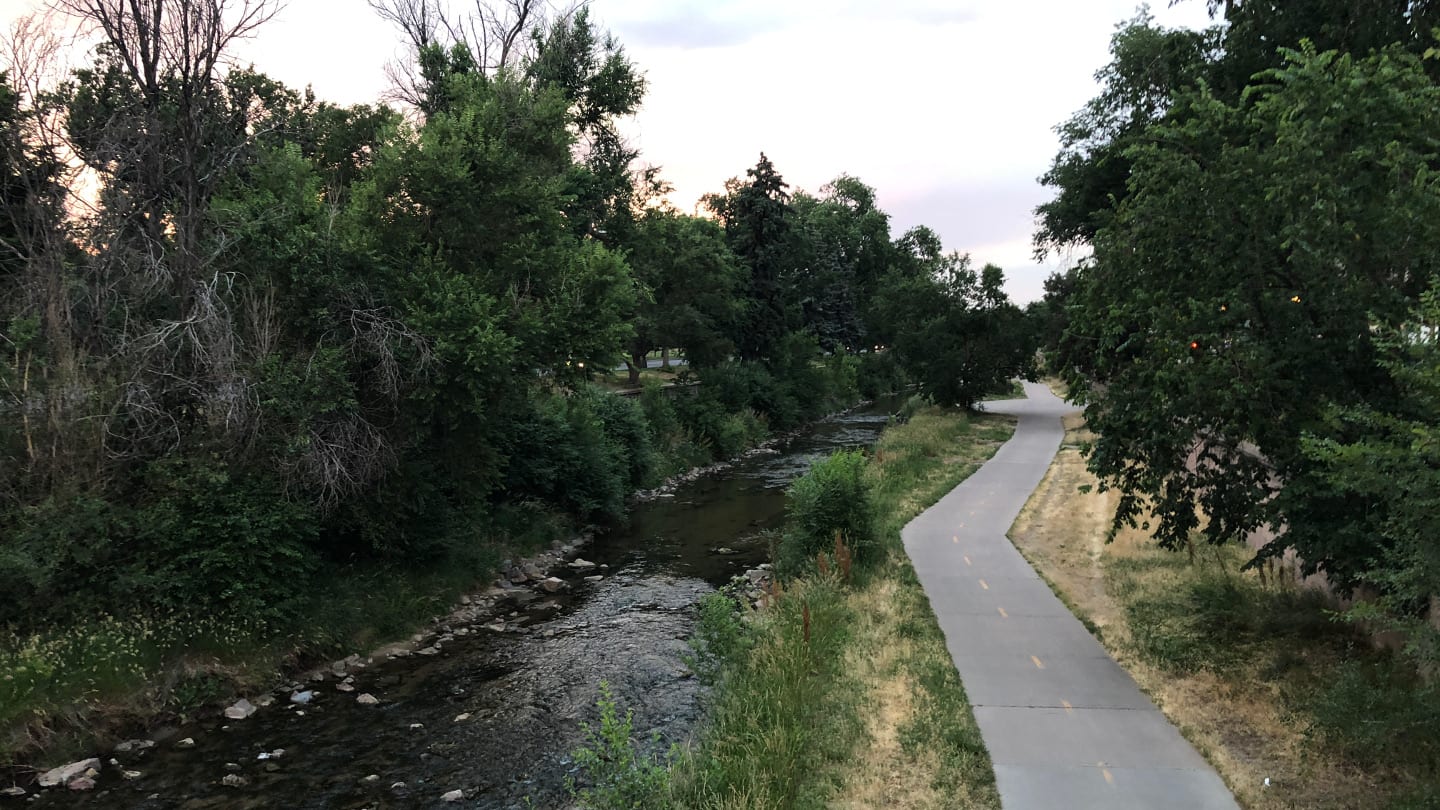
[619,775]
[785,710]
[832,499]
[843,691]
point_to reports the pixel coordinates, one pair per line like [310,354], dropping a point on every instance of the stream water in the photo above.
[524,692]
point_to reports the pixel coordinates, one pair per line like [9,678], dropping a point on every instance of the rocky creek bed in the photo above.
[484,709]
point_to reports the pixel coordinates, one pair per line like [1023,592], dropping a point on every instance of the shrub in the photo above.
[621,777]
[834,496]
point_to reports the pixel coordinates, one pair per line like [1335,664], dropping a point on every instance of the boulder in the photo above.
[367,699]
[453,796]
[581,564]
[241,710]
[552,584]
[134,746]
[65,774]
[234,780]
[13,792]
[188,742]
[83,783]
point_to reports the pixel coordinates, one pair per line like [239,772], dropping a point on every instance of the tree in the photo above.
[1235,295]
[842,251]
[759,225]
[964,340]
[692,279]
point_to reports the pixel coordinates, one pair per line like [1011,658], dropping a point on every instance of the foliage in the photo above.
[966,340]
[1206,367]
[720,637]
[621,778]
[832,498]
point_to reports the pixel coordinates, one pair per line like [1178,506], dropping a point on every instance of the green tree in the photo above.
[759,226]
[692,279]
[964,340]
[1221,332]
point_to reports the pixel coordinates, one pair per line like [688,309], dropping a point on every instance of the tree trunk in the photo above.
[665,358]
[634,364]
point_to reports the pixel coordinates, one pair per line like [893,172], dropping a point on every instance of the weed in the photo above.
[620,776]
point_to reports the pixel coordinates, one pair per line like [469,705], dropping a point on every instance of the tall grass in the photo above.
[790,724]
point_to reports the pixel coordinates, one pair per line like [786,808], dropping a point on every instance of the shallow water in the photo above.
[526,690]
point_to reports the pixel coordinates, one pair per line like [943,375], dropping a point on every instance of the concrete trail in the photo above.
[1065,725]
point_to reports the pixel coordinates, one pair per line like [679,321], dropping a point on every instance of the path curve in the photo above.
[1065,725]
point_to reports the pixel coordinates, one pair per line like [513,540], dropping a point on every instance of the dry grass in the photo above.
[883,773]
[1237,716]
[922,749]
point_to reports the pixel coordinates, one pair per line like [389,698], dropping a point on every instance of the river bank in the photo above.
[523,663]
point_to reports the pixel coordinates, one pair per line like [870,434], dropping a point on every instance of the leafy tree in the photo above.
[842,253]
[692,279]
[964,339]
[1222,332]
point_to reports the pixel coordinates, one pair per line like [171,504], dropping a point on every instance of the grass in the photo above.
[1257,673]
[868,712]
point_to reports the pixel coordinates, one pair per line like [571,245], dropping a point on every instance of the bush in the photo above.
[834,496]
[621,777]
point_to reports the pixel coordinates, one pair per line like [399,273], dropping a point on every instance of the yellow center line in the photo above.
[966,558]
[1003,614]
[1068,708]
[984,585]
[1109,779]
[957,538]
[1038,665]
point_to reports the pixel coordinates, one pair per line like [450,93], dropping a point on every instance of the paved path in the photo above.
[1065,725]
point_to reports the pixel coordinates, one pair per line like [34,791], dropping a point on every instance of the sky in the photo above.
[945,107]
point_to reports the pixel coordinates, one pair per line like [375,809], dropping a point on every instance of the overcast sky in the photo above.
[946,108]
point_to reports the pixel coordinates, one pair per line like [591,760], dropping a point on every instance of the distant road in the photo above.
[656,363]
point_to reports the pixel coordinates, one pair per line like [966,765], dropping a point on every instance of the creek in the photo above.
[523,690]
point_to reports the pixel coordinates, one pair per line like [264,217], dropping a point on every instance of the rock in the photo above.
[532,571]
[430,651]
[241,710]
[417,726]
[188,742]
[83,783]
[232,767]
[66,774]
[371,779]
[134,746]
[595,578]
[464,600]
[517,576]
[299,713]
[234,780]
[397,786]
[725,551]
[460,718]
[453,796]
[302,698]
[581,564]
[496,627]
[13,792]
[270,767]
[345,687]
[552,584]
[317,677]
[131,775]
[367,699]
